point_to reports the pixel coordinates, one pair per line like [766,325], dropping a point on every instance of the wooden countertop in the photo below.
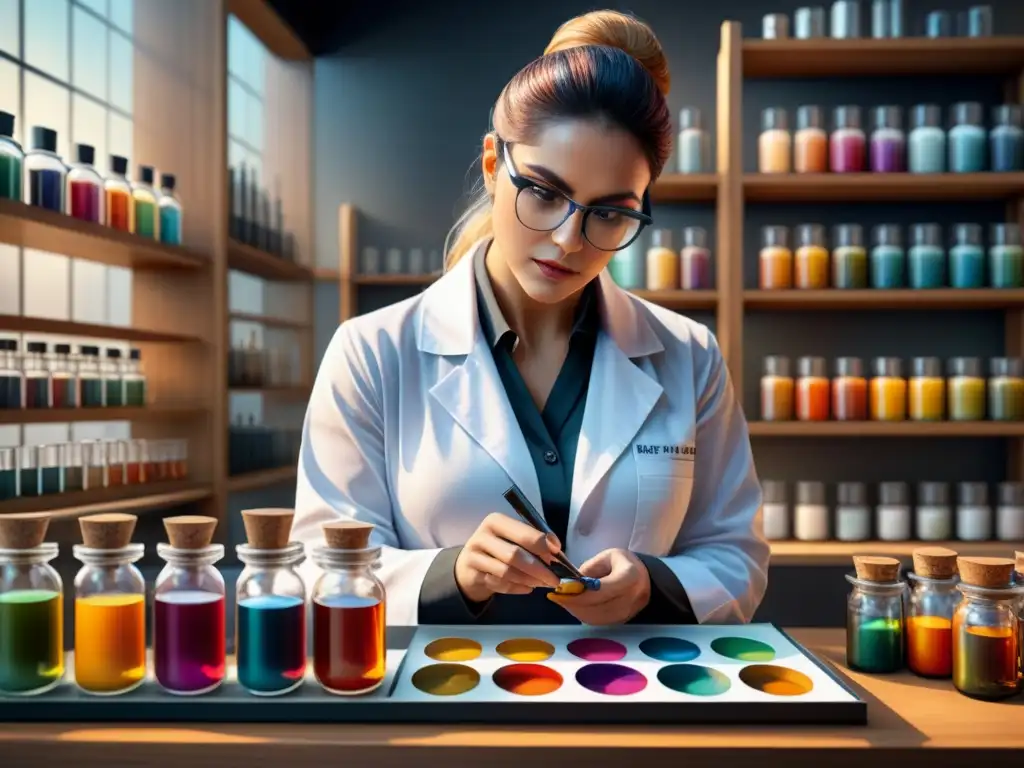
[920,722]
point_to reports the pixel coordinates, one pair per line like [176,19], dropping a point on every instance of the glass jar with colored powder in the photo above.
[1005,256]
[966,389]
[1006,389]
[1010,512]
[849,390]
[933,600]
[888,142]
[777,388]
[810,266]
[973,513]
[926,146]
[934,514]
[875,616]
[810,144]
[847,144]
[693,153]
[1006,139]
[775,258]
[45,172]
[812,389]
[893,518]
[662,262]
[811,513]
[774,145]
[853,515]
[986,629]
[888,390]
[12,158]
[849,258]
[627,267]
[888,259]
[144,204]
[118,210]
[695,260]
[926,258]
[775,510]
[927,390]
[967,138]
[85,186]
[967,257]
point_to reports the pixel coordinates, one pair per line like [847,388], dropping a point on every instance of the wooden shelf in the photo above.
[286,391]
[394,279]
[879,299]
[842,552]
[880,187]
[130,498]
[685,188]
[253,261]
[44,230]
[925,429]
[149,414]
[680,299]
[269,322]
[266,477]
[23,324]
[903,56]
[326,275]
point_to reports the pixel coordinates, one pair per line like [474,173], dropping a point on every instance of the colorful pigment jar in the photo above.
[926,257]
[662,262]
[888,142]
[810,144]
[777,388]
[966,389]
[12,158]
[775,258]
[812,389]
[774,145]
[926,145]
[810,267]
[45,172]
[1006,389]
[933,600]
[888,390]
[1006,139]
[888,259]
[1005,256]
[694,145]
[927,389]
[847,144]
[695,260]
[849,390]
[967,138]
[874,616]
[849,258]
[628,266]
[967,257]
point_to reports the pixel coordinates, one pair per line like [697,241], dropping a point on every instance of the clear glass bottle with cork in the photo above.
[189,655]
[270,619]
[933,600]
[986,629]
[875,616]
[110,606]
[31,607]
[349,611]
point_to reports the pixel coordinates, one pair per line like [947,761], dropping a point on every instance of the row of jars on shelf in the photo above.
[39,378]
[43,470]
[926,264]
[807,515]
[395,261]
[253,447]
[928,395]
[252,366]
[966,148]
[663,268]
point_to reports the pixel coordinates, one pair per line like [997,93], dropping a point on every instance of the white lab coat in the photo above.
[409,428]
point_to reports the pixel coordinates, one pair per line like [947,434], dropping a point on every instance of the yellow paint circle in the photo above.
[525,649]
[446,679]
[453,649]
[775,680]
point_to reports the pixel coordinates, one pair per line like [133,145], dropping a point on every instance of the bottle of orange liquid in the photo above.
[810,144]
[933,599]
[774,145]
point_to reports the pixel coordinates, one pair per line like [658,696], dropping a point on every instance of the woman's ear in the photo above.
[489,162]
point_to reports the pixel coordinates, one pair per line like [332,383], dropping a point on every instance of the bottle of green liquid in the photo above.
[11,159]
[147,217]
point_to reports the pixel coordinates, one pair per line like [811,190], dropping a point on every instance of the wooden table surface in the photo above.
[919,722]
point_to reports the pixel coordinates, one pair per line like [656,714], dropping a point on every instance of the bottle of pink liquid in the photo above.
[847,144]
[85,186]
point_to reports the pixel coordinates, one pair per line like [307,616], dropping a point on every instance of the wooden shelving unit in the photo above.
[127,498]
[919,429]
[152,414]
[881,187]
[685,188]
[840,552]
[950,299]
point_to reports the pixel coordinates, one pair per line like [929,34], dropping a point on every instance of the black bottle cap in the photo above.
[113,354]
[44,138]
[62,349]
[36,346]
[146,174]
[167,181]
[86,154]
[7,124]
[135,354]
[118,165]
[91,351]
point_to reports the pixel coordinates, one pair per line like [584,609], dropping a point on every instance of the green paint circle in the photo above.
[742,649]
[446,679]
[693,679]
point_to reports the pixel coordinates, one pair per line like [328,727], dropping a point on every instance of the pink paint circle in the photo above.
[611,679]
[597,649]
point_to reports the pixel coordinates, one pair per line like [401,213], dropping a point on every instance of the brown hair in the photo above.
[603,65]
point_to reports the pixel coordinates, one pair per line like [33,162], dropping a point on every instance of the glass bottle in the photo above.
[662,262]
[73,461]
[11,376]
[777,389]
[810,142]
[1010,512]
[933,600]
[853,515]
[694,148]
[28,471]
[349,655]
[189,655]
[888,390]
[893,519]
[973,513]
[888,259]
[888,144]
[31,608]
[966,138]
[810,267]
[966,389]
[1006,389]
[8,474]
[270,621]
[927,388]
[178,455]
[810,513]
[695,260]
[110,607]
[934,515]
[94,458]
[12,158]
[812,389]
[875,616]
[144,204]
[38,392]
[1005,256]
[927,257]
[44,171]
[1006,139]
[63,379]
[134,380]
[967,257]
[85,186]
[134,465]
[90,383]
[51,473]
[775,510]
[927,143]
[847,143]
[116,454]
[170,211]
[849,390]
[627,269]
[113,381]
[118,209]
[775,258]
[774,145]
[849,258]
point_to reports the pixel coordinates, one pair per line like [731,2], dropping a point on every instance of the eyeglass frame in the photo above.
[521,183]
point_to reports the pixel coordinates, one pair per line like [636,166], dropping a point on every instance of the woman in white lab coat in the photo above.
[525,364]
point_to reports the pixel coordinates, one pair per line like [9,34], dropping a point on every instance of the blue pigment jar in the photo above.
[888,259]
[628,266]
[1006,139]
[1005,257]
[967,257]
[926,145]
[967,139]
[926,258]
[45,172]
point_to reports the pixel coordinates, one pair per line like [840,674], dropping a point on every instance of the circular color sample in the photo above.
[446,679]
[597,649]
[528,679]
[693,679]
[453,649]
[611,679]
[526,649]
[743,649]
[778,681]
[670,649]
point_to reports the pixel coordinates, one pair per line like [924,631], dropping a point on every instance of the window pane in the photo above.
[10,280]
[122,14]
[10,88]
[47,104]
[89,65]
[122,62]
[237,40]
[89,126]
[9,28]
[255,64]
[46,36]
[237,110]
[236,154]
[121,137]
[97,6]
[254,122]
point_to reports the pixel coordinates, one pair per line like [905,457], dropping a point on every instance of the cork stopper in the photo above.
[883,570]
[190,531]
[107,531]
[23,531]
[989,572]
[347,534]
[268,528]
[935,562]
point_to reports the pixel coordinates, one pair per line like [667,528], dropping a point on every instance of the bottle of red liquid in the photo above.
[85,186]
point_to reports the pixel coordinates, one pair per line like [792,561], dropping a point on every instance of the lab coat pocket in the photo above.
[664,487]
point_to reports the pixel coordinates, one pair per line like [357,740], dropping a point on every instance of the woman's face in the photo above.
[583,161]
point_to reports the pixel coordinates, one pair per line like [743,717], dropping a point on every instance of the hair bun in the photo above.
[616,30]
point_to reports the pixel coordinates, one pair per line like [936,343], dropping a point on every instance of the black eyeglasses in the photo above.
[544,209]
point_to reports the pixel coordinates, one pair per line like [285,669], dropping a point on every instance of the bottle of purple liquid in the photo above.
[847,144]
[695,260]
[888,142]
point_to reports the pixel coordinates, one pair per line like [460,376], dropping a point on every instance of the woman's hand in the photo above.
[504,555]
[625,589]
